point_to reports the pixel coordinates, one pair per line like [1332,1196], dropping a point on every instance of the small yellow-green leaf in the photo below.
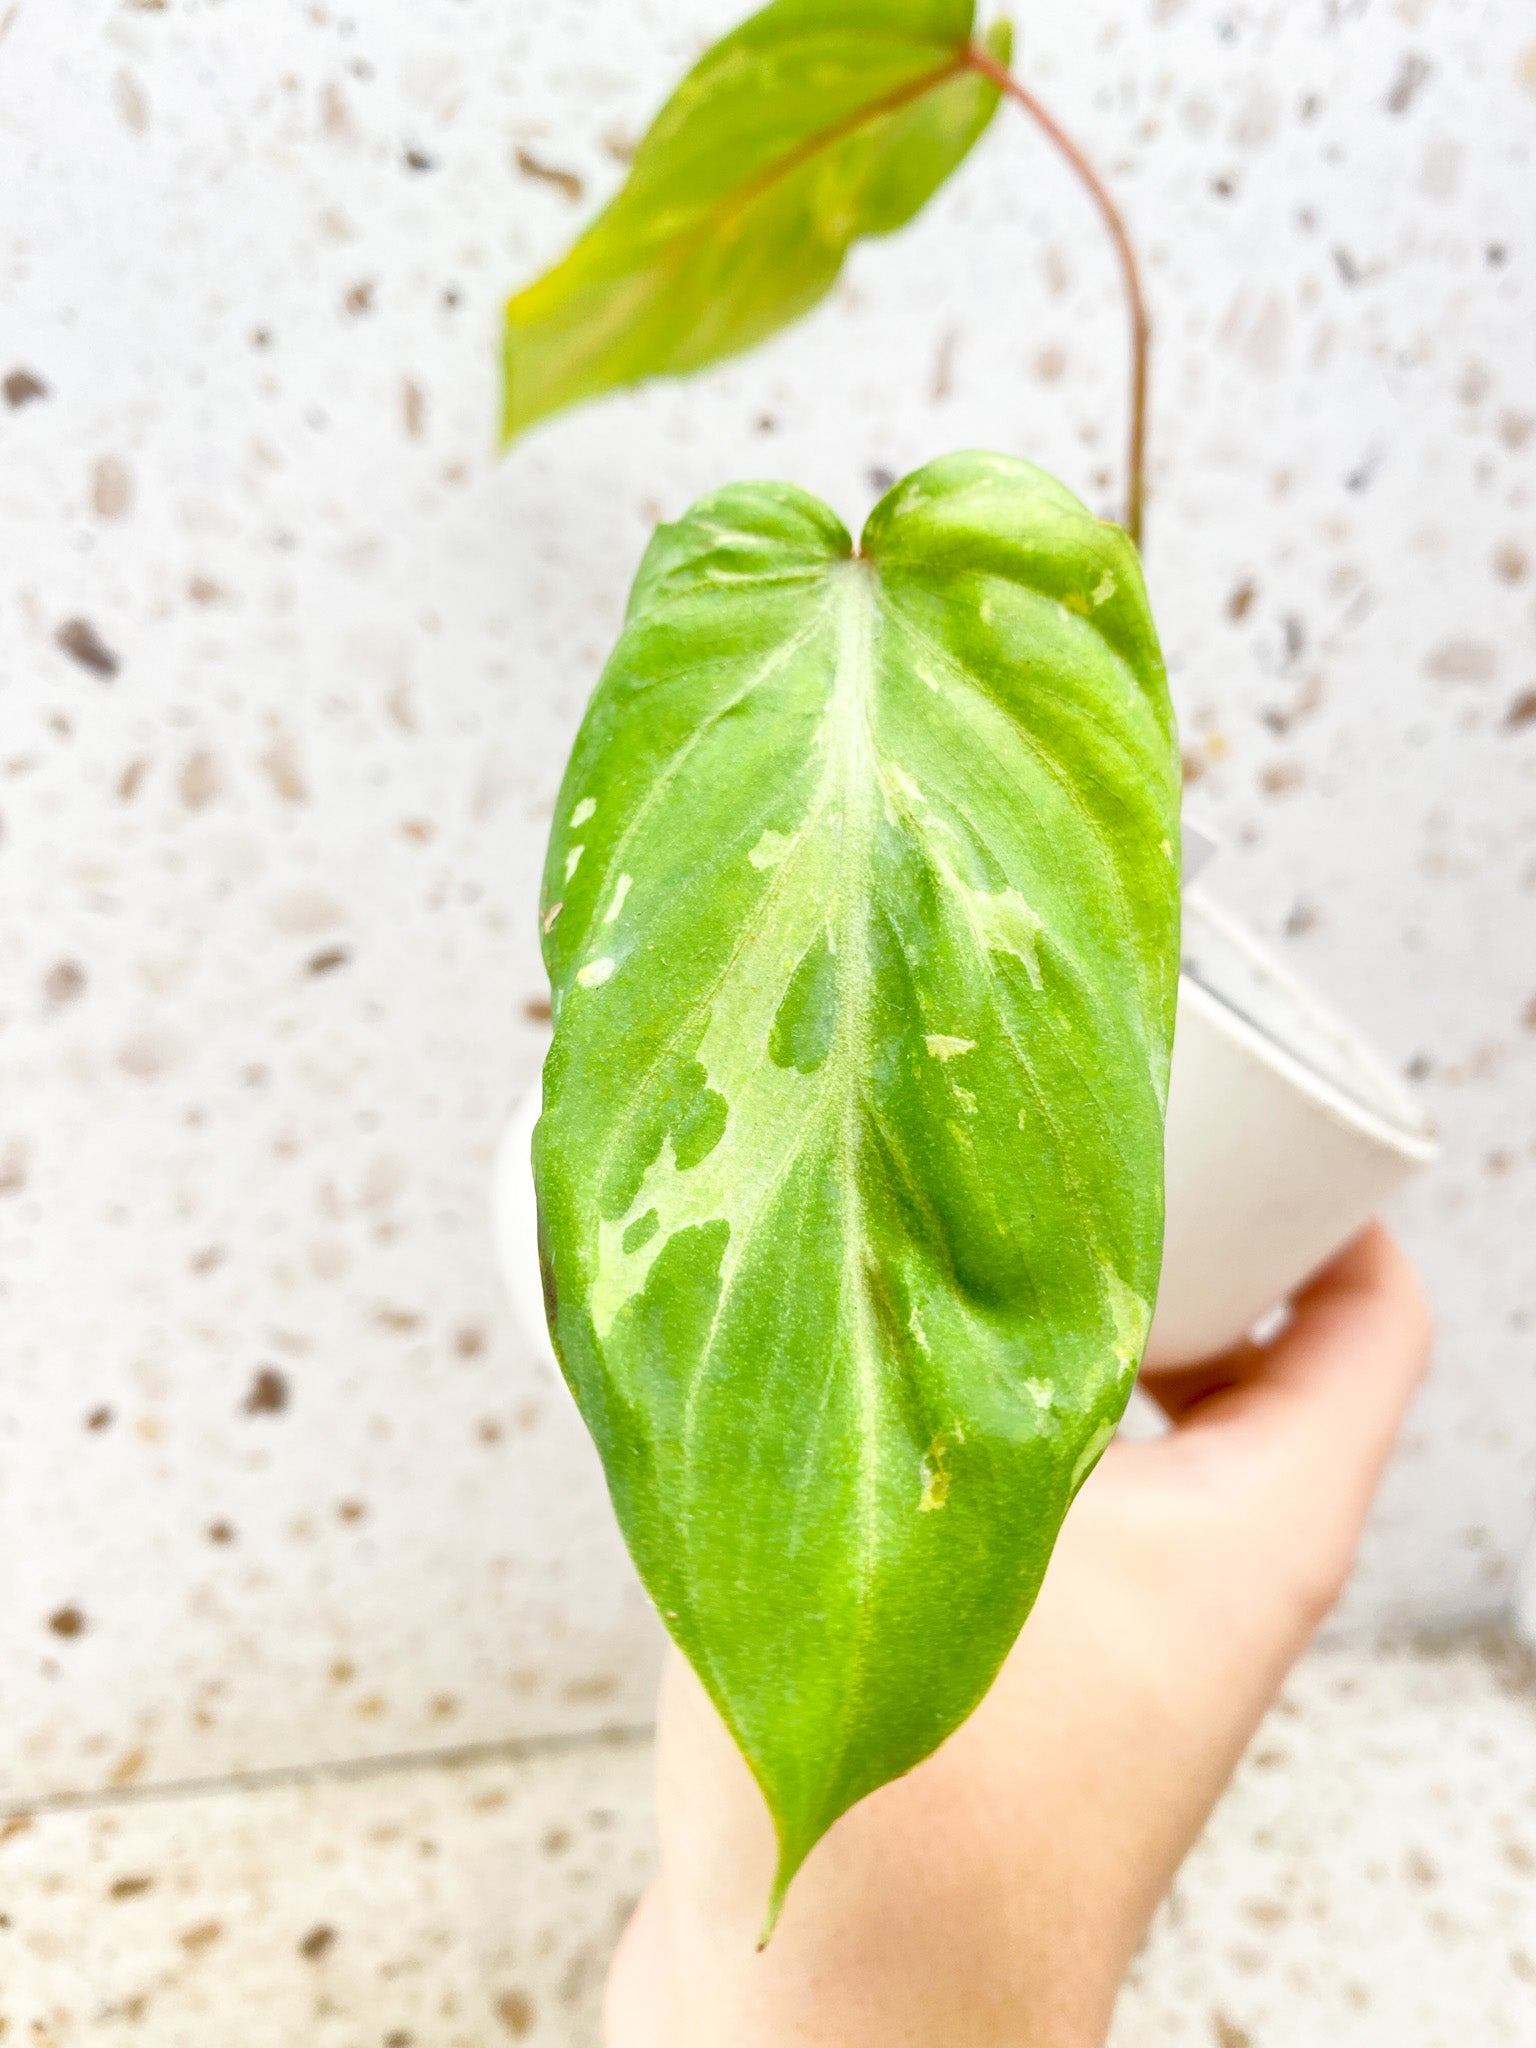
[850,1166]
[815,122]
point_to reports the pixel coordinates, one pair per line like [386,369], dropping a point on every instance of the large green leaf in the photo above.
[861,918]
[815,122]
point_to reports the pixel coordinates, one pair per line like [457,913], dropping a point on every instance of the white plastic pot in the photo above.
[1285,1134]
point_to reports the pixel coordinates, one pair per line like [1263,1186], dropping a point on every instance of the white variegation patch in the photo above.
[944,1048]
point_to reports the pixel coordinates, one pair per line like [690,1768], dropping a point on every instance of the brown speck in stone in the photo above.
[489,1432]
[13,1166]
[203,590]
[556,1841]
[280,765]
[64,983]
[537,1010]
[548,174]
[351,1510]
[418,160]
[588,1691]
[469,1341]
[199,781]
[111,487]
[1301,919]
[1228,2034]
[1518,1857]
[515,2011]
[268,1394]
[1522,711]
[328,961]
[420,831]
[1194,765]
[67,1621]
[221,1532]
[128,783]
[1420,1067]
[1050,365]
[1516,428]
[413,407]
[80,640]
[13,1825]
[335,120]
[401,1320]
[397,2037]
[316,1943]
[22,387]
[944,364]
[203,1935]
[1240,603]
[880,478]
[620,144]
[442,1706]
[1420,1869]
[99,1419]
[358,298]
[209,1259]
[1267,1912]
[1498,1162]
[372,1708]
[1281,777]
[1413,75]
[131,101]
[129,1766]
[1522,1966]
[1462,661]
[1510,562]
[129,1887]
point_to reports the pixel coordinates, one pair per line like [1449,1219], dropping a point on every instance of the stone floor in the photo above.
[1369,1882]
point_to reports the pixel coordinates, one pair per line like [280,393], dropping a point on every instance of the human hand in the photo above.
[996,1894]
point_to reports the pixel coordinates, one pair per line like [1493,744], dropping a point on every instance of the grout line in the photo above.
[513,1749]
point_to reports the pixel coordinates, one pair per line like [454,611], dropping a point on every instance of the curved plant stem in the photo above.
[1141,328]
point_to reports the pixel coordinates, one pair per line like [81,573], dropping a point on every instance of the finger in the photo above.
[1335,1385]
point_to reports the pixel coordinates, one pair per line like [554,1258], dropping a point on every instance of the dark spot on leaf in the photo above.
[21,387]
[328,961]
[268,1394]
[316,1942]
[807,1016]
[67,1621]
[700,1130]
[80,640]
[641,1231]
[549,174]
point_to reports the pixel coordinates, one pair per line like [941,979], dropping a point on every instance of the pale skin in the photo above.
[994,1897]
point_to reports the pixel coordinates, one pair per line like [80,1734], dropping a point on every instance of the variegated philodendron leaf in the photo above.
[861,915]
[816,122]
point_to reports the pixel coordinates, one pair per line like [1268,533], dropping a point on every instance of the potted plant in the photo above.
[862,919]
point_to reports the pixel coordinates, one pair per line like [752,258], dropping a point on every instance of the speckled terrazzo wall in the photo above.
[288,666]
